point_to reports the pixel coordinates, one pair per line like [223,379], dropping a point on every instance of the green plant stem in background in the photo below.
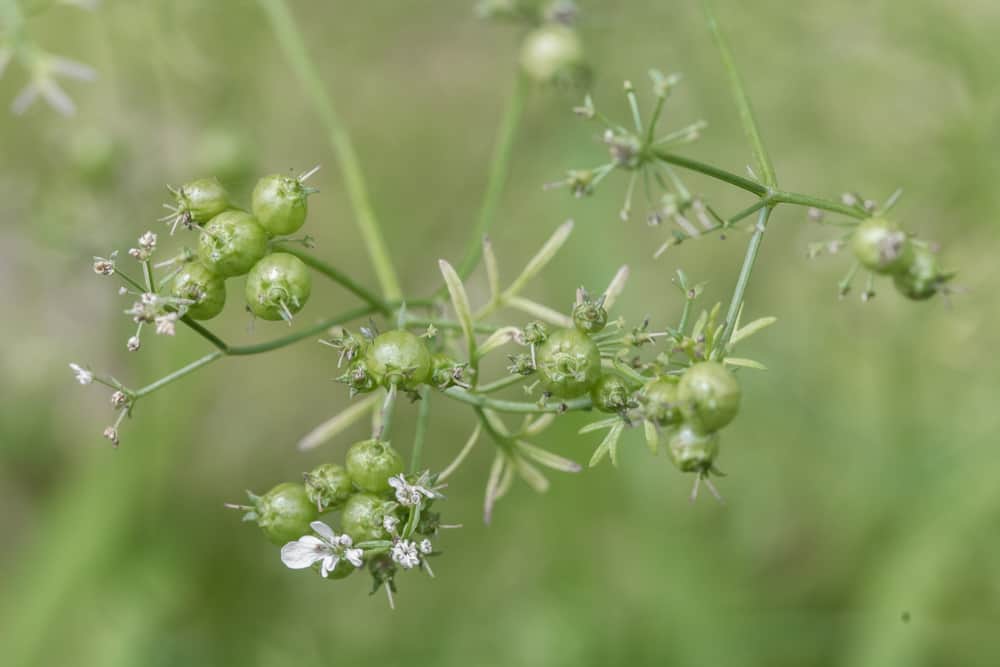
[290,40]
[338,277]
[420,430]
[517,407]
[739,292]
[499,169]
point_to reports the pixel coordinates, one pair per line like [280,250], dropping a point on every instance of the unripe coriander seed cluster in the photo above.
[677,383]
[384,517]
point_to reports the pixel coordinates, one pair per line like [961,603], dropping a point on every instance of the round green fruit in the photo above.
[196,283]
[278,286]
[709,395]
[569,363]
[370,464]
[231,243]
[399,358]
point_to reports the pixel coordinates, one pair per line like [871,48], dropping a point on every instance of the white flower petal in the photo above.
[303,553]
[355,557]
[397,482]
[324,531]
[329,563]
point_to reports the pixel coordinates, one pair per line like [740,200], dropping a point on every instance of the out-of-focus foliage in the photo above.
[864,508]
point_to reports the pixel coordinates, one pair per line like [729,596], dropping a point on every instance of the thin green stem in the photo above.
[781,197]
[309,332]
[337,276]
[710,170]
[206,334]
[129,280]
[516,406]
[420,430]
[497,385]
[452,325]
[291,42]
[178,374]
[499,170]
[742,102]
[753,248]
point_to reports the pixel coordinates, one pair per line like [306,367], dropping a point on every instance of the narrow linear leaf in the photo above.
[337,424]
[457,461]
[699,325]
[493,485]
[543,313]
[652,437]
[608,446]
[599,425]
[751,328]
[460,302]
[742,101]
[615,287]
[745,363]
[497,339]
[537,426]
[492,269]
[531,475]
[547,458]
[543,257]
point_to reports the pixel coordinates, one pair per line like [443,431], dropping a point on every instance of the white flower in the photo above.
[390,522]
[408,494]
[133,344]
[426,547]
[111,433]
[147,244]
[83,376]
[165,324]
[43,82]
[119,399]
[406,554]
[328,549]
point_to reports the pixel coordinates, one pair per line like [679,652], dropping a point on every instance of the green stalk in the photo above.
[516,407]
[742,100]
[753,248]
[499,169]
[420,431]
[291,42]
[709,170]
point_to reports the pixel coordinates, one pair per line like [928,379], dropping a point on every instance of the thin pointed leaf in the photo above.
[699,325]
[652,437]
[493,492]
[537,426]
[543,257]
[615,288]
[497,339]
[531,475]
[492,269]
[337,424]
[547,458]
[742,101]
[608,446]
[457,461]
[750,329]
[460,301]
[539,311]
[599,425]
[745,363]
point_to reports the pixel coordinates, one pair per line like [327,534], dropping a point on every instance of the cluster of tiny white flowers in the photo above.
[147,246]
[410,495]
[409,554]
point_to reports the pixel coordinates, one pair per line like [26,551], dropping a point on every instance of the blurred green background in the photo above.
[863,516]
